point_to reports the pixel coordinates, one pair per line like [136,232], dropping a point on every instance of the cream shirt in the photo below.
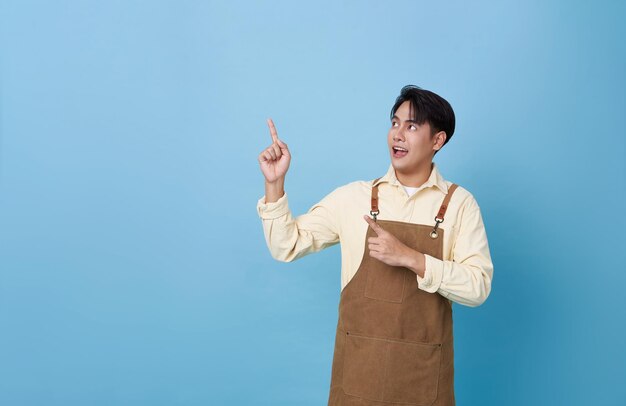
[463,276]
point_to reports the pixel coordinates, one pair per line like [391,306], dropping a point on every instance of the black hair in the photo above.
[427,106]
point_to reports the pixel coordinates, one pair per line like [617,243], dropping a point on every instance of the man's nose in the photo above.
[398,136]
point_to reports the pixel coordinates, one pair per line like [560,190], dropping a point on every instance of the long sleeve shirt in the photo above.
[463,275]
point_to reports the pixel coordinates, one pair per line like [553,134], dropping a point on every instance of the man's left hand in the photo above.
[387,248]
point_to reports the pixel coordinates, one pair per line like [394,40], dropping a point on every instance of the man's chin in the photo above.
[403,167]
[397,164]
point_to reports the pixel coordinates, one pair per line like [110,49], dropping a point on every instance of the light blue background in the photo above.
[133,268]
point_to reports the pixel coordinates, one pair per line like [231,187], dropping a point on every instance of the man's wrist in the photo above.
[417,263]
[274,190]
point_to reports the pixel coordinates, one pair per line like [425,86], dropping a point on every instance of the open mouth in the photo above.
[399,152]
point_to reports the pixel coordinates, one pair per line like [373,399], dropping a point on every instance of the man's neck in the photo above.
[416,178]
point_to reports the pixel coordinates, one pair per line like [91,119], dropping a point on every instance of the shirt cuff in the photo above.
[433,274]
[272,210]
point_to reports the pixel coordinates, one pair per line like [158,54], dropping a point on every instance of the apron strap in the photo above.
[438,218]
[444,205]
[442,210]
[374,212]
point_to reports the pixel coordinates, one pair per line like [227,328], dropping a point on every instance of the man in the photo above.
[401,268]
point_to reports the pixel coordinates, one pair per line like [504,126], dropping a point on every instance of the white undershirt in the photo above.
[410,190]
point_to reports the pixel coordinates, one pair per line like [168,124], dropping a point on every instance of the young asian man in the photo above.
[412,243]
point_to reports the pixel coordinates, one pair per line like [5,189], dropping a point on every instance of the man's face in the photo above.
[415,139]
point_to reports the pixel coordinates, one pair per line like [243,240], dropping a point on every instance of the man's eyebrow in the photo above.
[408,121]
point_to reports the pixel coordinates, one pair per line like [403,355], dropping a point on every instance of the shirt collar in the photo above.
[435,179]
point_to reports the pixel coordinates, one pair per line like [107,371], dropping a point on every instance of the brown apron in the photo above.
[394,343]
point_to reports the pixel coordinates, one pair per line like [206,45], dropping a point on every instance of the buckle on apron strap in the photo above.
[374,213]
[434,234]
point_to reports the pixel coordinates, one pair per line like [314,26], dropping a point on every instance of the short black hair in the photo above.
[427,106]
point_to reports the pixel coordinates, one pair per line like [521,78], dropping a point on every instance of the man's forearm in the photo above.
[274,190]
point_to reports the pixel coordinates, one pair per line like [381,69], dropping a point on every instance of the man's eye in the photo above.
[413,127]
[393,123]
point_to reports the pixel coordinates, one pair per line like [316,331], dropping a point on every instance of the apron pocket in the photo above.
[391,370]
[385,282]
[412,374]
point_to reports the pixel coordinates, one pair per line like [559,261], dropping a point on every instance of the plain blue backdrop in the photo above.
[133,267]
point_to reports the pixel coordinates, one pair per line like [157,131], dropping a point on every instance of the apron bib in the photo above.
[394,341]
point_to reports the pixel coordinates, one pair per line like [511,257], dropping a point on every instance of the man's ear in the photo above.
[440,139]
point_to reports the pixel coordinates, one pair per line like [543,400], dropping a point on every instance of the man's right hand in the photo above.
[274,160]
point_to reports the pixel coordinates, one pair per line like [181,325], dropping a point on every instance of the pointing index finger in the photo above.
[272,127]
[377,228]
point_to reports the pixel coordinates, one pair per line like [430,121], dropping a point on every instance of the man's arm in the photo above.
[467,278]
[290,238]
[287,237]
